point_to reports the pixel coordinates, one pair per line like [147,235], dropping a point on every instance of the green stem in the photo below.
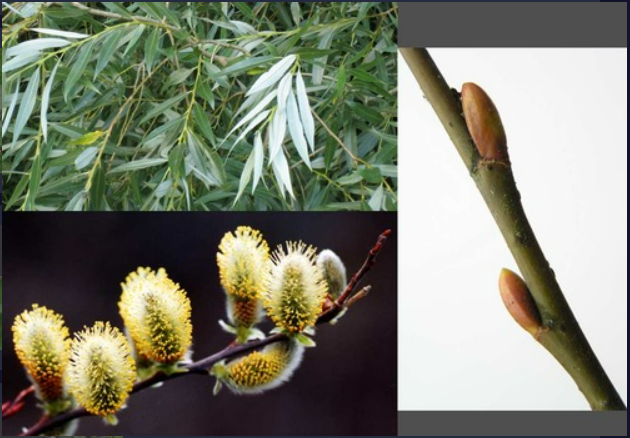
[560,333]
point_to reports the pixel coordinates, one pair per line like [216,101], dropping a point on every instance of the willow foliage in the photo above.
[199,106]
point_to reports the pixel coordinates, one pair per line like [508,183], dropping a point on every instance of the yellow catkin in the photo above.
[156,312]
[42,345]
[296,289]
[101,372]
[243,260]
[263,370]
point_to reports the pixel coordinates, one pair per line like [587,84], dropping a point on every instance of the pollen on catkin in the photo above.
[262,370]
[243,260]
[156,312]
[102,372]
[333,271]
[296,289]
[42,342]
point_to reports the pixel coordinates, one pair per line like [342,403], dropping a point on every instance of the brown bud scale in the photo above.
[519,302]
[484,123]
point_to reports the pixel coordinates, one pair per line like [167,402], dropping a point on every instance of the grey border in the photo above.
[512,423]
[489,24]
[513,24]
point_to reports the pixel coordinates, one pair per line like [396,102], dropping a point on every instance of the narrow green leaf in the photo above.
[376,201]
[151,48]
[296,13]
[97,191]
[305,111]
[19,61]
[388,170]
[200,163]
[77,202]
[80,64]
[310,54]
[12,9]
[363,10]
[139,165]
[29,9]
[179,76]
[117,7]
[35,46]
[46,101]
[202,121]
[241,27]
[33,184]
[176,161]
[159,11]
[162,190]
[86,158]
[246,176]
[341,82]
[245,9]
[297,131]
[60,33]
[281,170]
[274,75]
[206,93]
[259,160]
[9,114]
[253,113]
[320,66]
[277,133]
[284,88]
[29,98]
[349,180]
[305,340]
[216,168]
[133,38]
[365,113]
[254,123]
[17,192]
[159,109]
[365,76]
[107,52]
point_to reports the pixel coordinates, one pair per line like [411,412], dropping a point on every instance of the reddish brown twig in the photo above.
[13,407]
[340,303]
[32,431]
[201,367]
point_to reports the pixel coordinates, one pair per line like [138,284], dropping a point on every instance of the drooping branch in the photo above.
[201,367]
[560,333]
[107,14]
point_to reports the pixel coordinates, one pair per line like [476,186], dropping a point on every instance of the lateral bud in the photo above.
[484,123]
[519,302]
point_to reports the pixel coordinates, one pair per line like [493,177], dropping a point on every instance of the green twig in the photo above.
[560,334]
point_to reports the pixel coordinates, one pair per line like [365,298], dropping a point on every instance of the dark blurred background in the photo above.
[74,264]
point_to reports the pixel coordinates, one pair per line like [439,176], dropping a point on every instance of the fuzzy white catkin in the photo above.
[333,270]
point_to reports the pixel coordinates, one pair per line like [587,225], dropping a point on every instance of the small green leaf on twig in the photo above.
[305,340]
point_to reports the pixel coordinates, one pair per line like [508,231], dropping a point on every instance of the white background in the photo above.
[565,114]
